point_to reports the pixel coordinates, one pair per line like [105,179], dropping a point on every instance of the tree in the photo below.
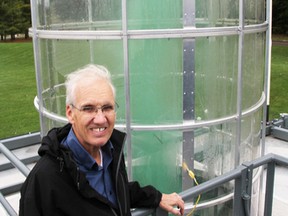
[15,18]
[12,18]
[26,18]
[280,17]
[3,12]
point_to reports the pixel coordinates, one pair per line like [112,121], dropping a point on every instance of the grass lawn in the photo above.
[279,81]
[18,88]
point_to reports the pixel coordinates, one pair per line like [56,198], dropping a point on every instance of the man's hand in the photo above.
[172,203]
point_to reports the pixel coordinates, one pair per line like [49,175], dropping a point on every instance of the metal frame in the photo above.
[127,89]
[241,27]
[188,33]
[188,81]
[147,34]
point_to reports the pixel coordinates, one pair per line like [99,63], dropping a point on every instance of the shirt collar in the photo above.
[81,156]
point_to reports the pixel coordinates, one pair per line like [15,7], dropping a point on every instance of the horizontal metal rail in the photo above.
[146,34]
[185,126]
[22,141]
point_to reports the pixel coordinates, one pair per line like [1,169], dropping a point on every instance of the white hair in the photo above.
[89,72]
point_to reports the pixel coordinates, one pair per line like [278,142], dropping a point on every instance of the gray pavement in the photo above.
[280,198]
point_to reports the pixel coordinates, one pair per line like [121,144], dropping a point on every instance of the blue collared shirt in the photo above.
[99,177]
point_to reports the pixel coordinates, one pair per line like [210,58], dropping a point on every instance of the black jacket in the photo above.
[55,186]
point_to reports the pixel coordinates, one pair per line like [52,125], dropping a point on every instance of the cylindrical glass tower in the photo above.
[190,78]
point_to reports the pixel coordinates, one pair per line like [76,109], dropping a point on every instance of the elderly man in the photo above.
[81,170]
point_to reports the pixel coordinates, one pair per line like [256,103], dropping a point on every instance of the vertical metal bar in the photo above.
[247,187]
[188,106]
[50,58]
[37,62]
[266,82]
[238,204]
[268,61]
[268,54]
[267,72]
[91,42]
[269,188]
[242,191]
[188,90]
[90,13]
[127,90]
[188,13]
[239,82]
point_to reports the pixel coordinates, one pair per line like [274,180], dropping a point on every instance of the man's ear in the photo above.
[69,114]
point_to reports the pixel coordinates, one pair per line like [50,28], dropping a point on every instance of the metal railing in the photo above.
[16,143]
[243,184]
[20,166]
[242,191]
[278,127]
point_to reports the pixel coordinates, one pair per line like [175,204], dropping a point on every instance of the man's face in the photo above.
[92,129]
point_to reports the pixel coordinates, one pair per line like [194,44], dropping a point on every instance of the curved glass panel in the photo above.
[215,150]
[150,14]
[251,137]
[156,81]
[219,13]
[157,150]
[79,15]
[64,56]
[216,71]
[253,64]
[101,15]
[254,12]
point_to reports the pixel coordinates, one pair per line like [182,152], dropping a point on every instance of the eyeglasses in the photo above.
[107,109]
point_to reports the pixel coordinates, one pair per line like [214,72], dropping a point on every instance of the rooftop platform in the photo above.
[280,200]
[12,176]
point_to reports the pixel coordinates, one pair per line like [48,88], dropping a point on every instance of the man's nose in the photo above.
[99,116]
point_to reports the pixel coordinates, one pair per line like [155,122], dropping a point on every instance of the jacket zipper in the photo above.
[61,163]
[77,178]
[125,198]
[123,185]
